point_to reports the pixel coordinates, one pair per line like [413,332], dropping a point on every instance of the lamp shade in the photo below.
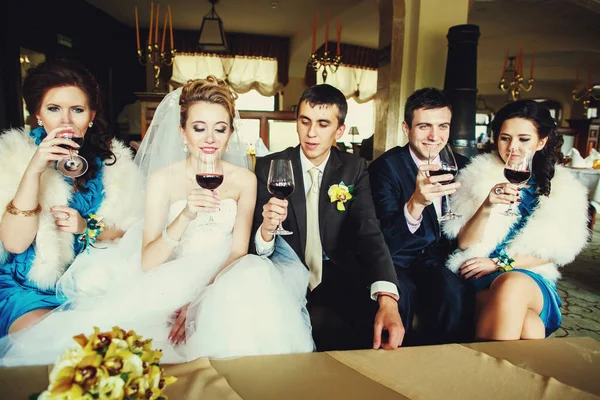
[353,132]
[212,36]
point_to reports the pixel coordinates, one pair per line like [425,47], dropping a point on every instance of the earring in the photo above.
[40,123]
[91,124]
[185,147]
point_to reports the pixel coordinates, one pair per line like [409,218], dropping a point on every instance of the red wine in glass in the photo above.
[516,177]
[78,140]
[517,170]
[281,185]
[281,189]
[444,170]
[72,165]
[209,181]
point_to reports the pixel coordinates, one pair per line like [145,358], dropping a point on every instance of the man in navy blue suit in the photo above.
[408,203]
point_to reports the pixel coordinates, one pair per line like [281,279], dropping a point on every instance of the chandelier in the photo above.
[589,92]
[158,58]
[512,79]
[328,63]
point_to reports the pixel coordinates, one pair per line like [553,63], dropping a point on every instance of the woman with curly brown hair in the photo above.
[513,261]
[184,277]
[46,217]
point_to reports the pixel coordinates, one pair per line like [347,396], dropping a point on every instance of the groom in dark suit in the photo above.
[408,203]
[352,294]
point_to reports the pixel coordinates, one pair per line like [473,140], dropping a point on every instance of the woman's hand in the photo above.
[477,267]
[68,219]
[201,201]
[49,150]
[504,193]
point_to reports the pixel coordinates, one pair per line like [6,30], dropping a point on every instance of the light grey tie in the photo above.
[313,255]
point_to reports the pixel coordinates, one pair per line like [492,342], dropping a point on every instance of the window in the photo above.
[362,116]
[254,101]
[592,112]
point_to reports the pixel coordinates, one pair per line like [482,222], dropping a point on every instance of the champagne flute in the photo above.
[445,159]
[209,173]
[281,185]
[517,170]
[72,165]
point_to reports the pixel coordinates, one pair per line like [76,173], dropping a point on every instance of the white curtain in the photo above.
[356,82]
[242,73]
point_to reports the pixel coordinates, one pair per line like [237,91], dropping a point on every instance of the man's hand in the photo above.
[428,188]
[274,212]
[177,334]
[388,319]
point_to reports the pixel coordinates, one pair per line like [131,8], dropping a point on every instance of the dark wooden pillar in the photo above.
[460,86]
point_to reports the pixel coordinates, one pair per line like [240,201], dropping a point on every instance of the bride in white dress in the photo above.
[190,253]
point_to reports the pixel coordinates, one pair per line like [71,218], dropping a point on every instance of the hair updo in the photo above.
[210,90]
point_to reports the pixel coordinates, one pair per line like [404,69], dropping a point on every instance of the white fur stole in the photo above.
[121,207]
[556,231]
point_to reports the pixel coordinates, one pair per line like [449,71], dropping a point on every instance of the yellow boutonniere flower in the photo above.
[340,193]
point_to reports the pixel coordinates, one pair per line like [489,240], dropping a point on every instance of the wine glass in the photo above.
[517,170]
[281,185]
[72,165]
[445,159]
[209,173]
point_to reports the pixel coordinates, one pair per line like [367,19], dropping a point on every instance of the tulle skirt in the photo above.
[255,306]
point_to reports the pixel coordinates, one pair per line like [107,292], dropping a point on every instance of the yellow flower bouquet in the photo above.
[108,365]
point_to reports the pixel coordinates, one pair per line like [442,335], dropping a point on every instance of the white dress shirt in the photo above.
[265,249]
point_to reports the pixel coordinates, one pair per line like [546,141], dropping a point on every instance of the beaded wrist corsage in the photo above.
[505,263]
[94,228]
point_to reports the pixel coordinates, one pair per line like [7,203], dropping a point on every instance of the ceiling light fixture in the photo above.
[212,36]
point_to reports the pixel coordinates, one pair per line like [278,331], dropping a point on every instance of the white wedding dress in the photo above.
[255,306]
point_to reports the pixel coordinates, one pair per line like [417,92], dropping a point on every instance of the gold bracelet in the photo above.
[11,209]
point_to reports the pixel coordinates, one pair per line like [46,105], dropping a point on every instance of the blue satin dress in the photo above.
[18,295]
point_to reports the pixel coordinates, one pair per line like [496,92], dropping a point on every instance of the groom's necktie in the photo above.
[313,255]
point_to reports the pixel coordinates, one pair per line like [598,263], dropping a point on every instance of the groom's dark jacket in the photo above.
[393,180]
[351,239]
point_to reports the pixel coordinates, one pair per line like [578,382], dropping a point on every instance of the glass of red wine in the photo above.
[445,159]
[281,185]
[209,173]
[517,170]
[72,165]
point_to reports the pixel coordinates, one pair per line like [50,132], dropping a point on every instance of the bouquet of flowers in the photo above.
[108,365]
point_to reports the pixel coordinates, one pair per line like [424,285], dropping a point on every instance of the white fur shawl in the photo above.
[556,231]
[121,207]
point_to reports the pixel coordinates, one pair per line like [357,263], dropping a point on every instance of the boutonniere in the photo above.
[340,193]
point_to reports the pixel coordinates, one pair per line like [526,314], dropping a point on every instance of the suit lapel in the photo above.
[409,163]
[298,198]
[331,176]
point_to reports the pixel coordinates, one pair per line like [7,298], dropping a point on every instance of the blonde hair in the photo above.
[210,90]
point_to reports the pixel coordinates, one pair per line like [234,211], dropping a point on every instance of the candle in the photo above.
[505,63]
[532,63]
[162,45]
[314,38]
[151,20]
[521,61]
[577,78]
[171,26]
[339,34]
[327,30]
[137,29]
[156,27]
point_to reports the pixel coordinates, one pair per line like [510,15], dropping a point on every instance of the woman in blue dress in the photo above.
[47,219]
[513,261]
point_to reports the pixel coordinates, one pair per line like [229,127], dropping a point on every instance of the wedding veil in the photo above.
[163,146]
